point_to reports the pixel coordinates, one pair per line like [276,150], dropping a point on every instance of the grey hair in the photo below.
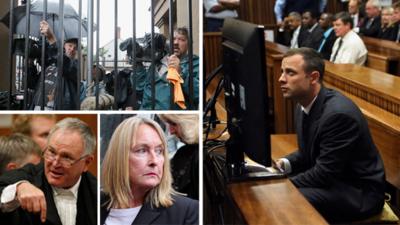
[74,124]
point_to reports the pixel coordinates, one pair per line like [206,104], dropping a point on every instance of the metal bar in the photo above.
[97,53]
[115,53]
[190,43]
[79,69]
[43,63]
[153,66]
[134,96]
[171,47]
[59,95]
[10,52]
[90,42]
[28,19]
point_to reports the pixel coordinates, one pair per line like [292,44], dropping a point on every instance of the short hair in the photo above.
[22,123]
[375,3]
[329,17]
[77,125]
[313,61]
[295,15]
[188,123]
[313,14]
[115,171]
[16,148]
[183,31]
[344,17]
[389,9]
[396,5]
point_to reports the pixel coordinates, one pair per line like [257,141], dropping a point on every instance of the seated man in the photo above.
[179,61]
[337,167]
[313,33]
[59,190]
[16,151]
[348,47]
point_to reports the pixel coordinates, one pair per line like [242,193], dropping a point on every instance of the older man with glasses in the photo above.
[59,190]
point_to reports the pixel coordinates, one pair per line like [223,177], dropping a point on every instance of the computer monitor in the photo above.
[246,98]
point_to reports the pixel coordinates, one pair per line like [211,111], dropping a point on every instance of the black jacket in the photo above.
[337,153]
[373,30]
[185,170]
[86,203]
[313,39]
[183,211]
[63,87]
[326,50]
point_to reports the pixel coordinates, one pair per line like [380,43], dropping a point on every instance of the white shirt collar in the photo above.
[307,109]
[313,27]
[73,189]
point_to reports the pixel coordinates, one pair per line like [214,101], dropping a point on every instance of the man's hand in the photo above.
[279,165]
[174,62]
[32,199]
[46,30]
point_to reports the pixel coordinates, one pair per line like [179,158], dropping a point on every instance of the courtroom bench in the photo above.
[384,55]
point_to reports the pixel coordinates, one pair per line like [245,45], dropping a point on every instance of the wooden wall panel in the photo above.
[212,51]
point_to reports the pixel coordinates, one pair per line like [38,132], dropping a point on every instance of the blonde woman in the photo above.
[137,181]
[185,163]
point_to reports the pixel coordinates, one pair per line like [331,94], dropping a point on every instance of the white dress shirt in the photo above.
[227,13]
[352,50]
[64,199]
[294,43]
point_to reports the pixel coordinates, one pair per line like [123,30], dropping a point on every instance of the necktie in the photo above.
[398,34]
[304,129]
[337,50]
[369,23]
[322,44]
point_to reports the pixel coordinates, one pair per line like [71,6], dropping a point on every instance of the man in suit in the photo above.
[329,37]
[337,167]
[355,13]
[58,191]
[313,33]
[372,24]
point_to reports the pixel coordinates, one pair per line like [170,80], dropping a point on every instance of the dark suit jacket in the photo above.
[389,33]
[373,30]
[326,50]
[86,203]
[312,39]
[183,211]
[336,150]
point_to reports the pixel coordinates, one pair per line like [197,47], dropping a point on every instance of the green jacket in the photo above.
[162,86]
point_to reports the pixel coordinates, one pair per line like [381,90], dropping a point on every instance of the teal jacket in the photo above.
[162,86]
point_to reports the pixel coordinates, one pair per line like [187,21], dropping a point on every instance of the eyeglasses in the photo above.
[50,154]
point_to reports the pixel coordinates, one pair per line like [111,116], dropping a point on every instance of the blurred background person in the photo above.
[137,182]
[17,150]
[388,29]
[372,22]
[185,162]
[329,37]
[216,11]
[35,126]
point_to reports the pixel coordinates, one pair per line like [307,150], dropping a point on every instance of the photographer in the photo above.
[69,75]
[180,62]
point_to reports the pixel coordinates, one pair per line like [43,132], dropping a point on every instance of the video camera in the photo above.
[143,48]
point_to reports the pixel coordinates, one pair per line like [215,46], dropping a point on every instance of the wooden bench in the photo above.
[383,55]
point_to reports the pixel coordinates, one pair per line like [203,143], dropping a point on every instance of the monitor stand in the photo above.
[238,169]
